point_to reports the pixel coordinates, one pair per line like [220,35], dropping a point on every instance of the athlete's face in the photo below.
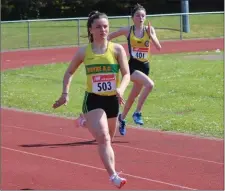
[100,28]
[139,17]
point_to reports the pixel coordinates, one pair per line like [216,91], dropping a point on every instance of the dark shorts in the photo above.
[138,65]
[109,104]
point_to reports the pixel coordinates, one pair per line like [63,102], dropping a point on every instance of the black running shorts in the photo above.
[135,64]
[109,104]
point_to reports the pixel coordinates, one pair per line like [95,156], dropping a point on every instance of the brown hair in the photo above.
[136,8]
[91,17]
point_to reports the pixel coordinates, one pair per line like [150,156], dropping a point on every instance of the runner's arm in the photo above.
[121,32]
[124,68]
[74,64]
[154,38]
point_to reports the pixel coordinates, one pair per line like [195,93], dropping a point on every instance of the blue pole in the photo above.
[185,18]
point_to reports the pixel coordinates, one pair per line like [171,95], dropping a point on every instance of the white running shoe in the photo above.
[80,121]
[118,181]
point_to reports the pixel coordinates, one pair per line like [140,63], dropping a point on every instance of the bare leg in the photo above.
[148,84]
[98,126]
[113,124]
[136,89]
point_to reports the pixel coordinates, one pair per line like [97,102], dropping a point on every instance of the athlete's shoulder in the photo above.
[117,48]
[81,51]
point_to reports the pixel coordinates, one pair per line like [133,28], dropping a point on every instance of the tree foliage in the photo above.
[34,9]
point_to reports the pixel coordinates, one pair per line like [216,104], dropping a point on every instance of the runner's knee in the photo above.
[103,138]
[149,85]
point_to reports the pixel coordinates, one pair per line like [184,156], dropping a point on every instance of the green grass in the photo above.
[188,93]
[63,33]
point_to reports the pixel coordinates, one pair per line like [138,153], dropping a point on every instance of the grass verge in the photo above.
[188,93]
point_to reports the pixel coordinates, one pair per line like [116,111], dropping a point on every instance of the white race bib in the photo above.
[139,52]
[103,83]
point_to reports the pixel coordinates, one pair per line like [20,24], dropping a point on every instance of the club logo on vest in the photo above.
[147,43]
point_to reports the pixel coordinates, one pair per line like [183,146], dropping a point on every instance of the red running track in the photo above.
[44,56]
[44,152]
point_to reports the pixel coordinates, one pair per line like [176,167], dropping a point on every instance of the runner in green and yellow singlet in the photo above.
[103,61]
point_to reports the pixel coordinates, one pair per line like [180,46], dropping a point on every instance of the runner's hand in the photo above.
[63,100]
[120,96]
[149,29]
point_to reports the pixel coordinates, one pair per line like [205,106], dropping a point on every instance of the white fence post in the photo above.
[181,28]
[28,34]
[78,31]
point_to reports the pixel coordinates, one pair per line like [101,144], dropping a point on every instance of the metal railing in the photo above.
[63,31]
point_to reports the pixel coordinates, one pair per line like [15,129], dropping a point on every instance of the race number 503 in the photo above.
[104,86]
[103,83]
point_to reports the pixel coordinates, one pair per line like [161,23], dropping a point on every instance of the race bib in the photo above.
[140,52]
[103,83]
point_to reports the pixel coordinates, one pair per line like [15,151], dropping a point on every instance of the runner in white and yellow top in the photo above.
[138,37]
[103,60]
